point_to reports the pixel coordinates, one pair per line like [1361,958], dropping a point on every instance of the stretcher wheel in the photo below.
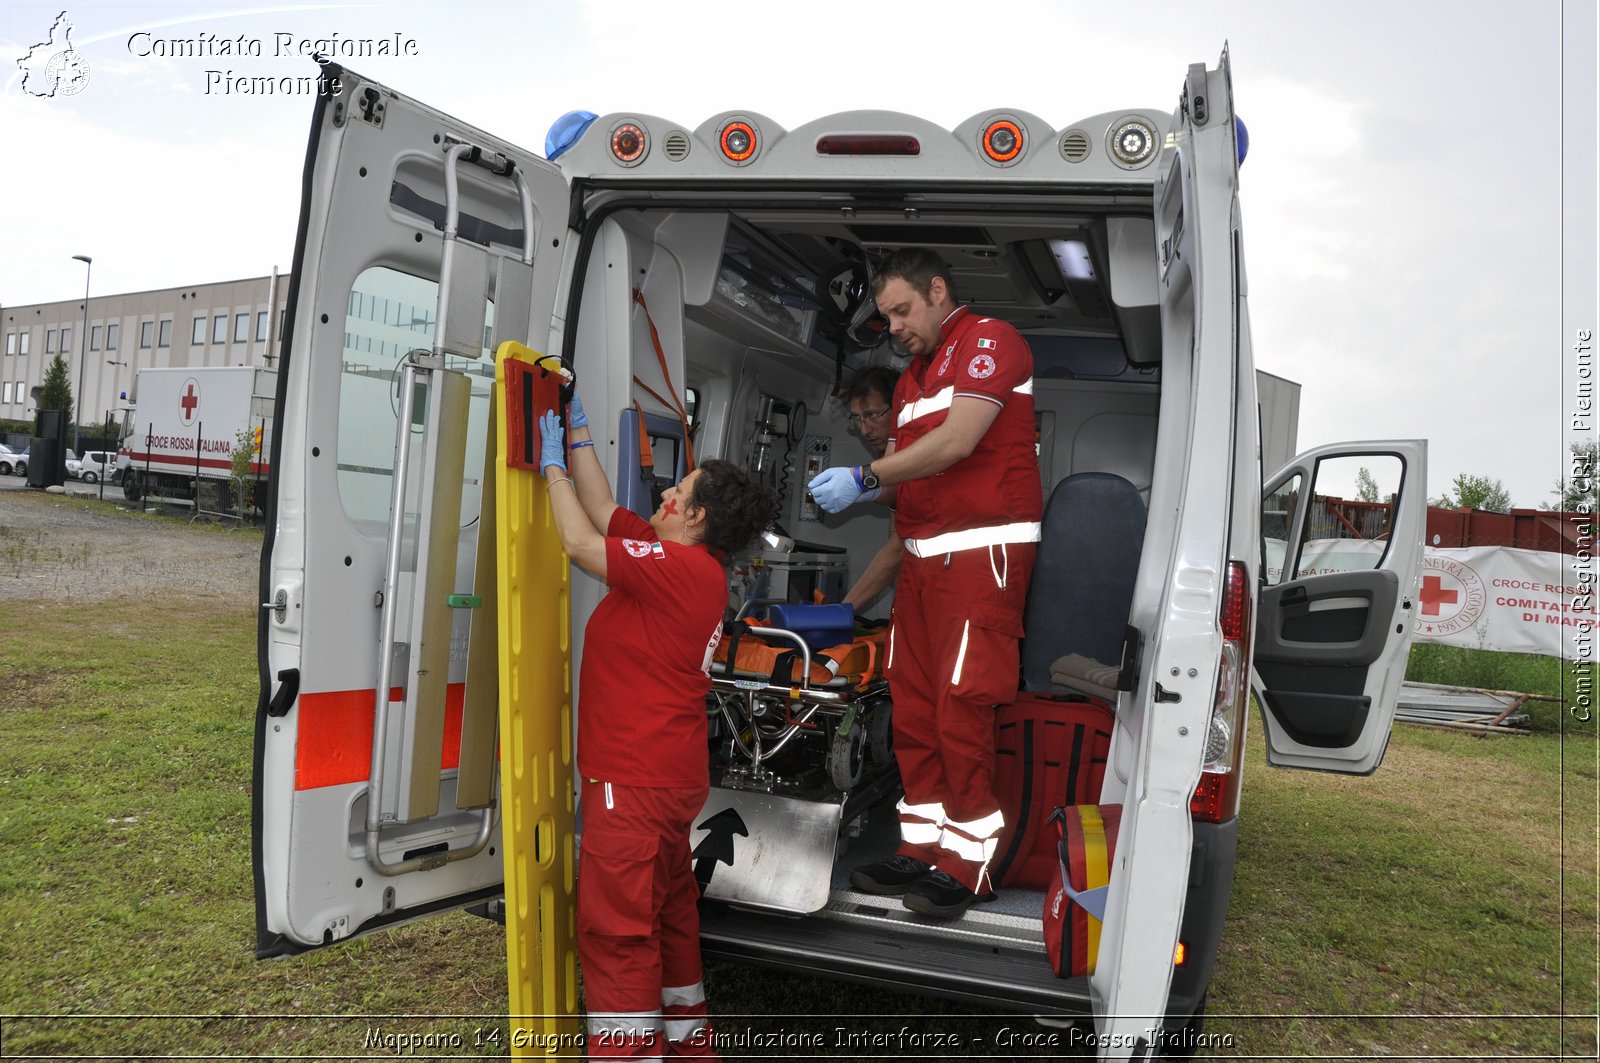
[848,756]
[880,736]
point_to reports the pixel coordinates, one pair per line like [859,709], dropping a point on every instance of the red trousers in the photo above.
[639,923]
[953,656]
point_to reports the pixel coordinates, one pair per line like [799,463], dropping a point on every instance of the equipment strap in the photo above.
[666,374]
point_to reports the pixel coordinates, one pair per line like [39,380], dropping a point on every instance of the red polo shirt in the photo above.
[998,483]
[647,660]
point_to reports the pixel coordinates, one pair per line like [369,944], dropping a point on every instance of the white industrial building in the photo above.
[222,323]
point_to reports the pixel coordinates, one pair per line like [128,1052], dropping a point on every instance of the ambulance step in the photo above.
[983,961]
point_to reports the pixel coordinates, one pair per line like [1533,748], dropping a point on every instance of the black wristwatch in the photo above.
[869,479]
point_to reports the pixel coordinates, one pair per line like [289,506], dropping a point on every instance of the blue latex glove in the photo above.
[576,418]
[552,442]
[838,487]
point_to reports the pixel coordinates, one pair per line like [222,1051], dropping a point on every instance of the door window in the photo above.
[1351,514]
[387,315]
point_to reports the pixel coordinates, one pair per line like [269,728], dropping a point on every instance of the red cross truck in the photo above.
[186,426]
[421,635]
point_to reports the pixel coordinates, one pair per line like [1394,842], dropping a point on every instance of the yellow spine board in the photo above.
[1097,868]
[536,777]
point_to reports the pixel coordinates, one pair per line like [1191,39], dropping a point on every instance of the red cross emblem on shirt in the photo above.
[189,401]
[1434,595]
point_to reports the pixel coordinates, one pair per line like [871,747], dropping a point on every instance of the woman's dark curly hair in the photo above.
[737,508]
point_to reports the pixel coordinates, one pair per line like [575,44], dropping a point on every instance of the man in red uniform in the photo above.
[962,466]
[642,750]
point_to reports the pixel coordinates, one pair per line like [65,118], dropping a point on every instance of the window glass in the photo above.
[23,339]
[111,337]
[166,333]
[387,315]
[94,338]
[146,332]
[198,337]
[1277,519]
[1352,510]
[66,341]
[49,341]
[7,398]
[241,328]
[261,325]
[11,343]
[219,329]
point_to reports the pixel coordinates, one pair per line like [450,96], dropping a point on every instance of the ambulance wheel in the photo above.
[880,735]
[130,486]
[848,757]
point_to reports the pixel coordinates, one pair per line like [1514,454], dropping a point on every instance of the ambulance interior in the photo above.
[770,309]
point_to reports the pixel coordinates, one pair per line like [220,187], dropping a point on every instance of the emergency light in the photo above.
[566,131]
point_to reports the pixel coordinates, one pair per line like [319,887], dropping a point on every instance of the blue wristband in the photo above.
[580,444]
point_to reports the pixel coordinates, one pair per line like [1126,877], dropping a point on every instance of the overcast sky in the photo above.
[1402,206]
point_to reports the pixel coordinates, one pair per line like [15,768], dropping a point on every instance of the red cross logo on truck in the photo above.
[189,400]
[1434,595]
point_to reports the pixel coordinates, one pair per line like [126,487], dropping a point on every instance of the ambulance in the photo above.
[705,288]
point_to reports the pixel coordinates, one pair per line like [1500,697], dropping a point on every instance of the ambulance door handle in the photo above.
[288,691]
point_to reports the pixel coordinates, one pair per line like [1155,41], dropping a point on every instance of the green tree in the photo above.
[1579,490]
[1366,486]
[1476,492]
[57,393]
[239,461]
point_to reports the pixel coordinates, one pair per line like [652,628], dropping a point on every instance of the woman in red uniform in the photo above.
[642,750]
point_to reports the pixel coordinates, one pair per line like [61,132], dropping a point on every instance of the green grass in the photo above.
[1523,673]
[1368,915]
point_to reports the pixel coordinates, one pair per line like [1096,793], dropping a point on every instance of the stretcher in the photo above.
[795,720]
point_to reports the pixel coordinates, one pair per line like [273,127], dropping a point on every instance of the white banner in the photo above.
[1478,597]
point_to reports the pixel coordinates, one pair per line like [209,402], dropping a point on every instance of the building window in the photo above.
[241,328]
[23,339]
[199,335]
[261,326]
[66,341]
[147,331]
[111,337]
[166,333]
[11,343]
[7,399]
[49,341]
[219,329]
[94,338]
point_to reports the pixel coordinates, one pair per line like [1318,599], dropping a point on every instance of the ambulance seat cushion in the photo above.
[1083,580]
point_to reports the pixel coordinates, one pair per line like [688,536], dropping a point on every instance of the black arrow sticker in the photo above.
[717,846]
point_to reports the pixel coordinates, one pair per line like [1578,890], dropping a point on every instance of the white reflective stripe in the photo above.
[967,849]
[610,803]
[919,833]
[972,538]
[678,996]
[678,1029]
[639,1022]
[889,663]
[922,407]
[987,827]
[961,654]
[934,812]
[1024,388]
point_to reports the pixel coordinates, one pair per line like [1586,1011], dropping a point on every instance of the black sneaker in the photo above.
[940,895]
[889,877]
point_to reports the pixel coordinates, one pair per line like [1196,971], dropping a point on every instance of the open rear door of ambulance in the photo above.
[415,260]
[1204,353]
[1341,530]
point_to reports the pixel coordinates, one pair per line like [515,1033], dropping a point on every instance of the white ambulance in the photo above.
[420,637]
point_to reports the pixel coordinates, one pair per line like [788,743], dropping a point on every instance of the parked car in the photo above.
[98,463]
[12,461]
[74,466]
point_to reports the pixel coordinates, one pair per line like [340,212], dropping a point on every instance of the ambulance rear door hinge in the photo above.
[371,106]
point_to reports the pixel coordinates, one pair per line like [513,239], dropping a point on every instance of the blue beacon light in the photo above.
[566,131]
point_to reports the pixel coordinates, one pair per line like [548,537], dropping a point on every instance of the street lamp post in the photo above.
[83,350]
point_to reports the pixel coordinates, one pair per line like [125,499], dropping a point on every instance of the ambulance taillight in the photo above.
[1216,798]
[738,142]
[629,143]
[1003,140]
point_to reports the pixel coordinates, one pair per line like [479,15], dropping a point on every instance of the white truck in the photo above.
[180,436]
[422,632]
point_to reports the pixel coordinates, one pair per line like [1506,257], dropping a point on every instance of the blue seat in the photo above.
[1082,589]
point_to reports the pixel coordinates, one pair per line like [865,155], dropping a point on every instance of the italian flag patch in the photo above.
[988,345]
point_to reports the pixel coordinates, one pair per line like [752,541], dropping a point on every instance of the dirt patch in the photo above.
[77,550]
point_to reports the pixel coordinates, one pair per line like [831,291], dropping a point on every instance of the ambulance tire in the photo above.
[130,486]
[880,735]
[1182,1042]
[847,759]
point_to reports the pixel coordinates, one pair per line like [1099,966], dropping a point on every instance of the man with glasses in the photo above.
[871,399]
[964,478]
